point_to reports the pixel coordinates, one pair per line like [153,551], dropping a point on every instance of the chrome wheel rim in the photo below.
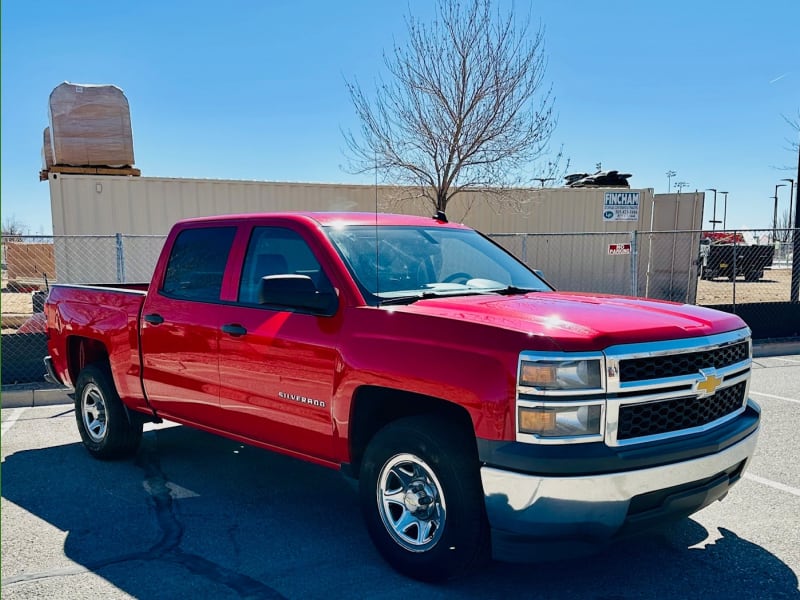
[411,503]
[93,411]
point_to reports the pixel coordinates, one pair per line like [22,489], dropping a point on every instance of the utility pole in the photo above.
[795,289]
[775,212]
[791,196]
[713,220]
[725,211]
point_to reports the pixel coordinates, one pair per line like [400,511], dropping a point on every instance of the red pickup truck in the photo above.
[479,409]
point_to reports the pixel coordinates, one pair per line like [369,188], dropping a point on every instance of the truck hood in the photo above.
[582,322]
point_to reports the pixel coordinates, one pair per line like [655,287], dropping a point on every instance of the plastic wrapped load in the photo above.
[90,125]
[47,150]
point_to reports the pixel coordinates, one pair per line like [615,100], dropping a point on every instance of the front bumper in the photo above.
[534,517]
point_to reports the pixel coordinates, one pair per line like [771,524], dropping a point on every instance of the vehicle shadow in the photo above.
[198,515]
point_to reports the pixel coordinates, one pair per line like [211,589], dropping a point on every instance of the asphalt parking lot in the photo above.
[199,516]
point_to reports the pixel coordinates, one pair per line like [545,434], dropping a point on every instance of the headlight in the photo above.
[560,421]
[560,375]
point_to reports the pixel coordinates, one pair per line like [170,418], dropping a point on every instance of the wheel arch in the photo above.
[374,407]
[83,351]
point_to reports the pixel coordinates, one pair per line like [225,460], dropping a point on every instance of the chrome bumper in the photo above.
[592,507]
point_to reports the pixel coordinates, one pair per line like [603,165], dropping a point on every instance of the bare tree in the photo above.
[13,229]
[794,123]
[783,227]
[465,107]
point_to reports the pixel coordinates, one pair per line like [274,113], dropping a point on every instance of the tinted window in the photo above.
[197,263]
[277,251]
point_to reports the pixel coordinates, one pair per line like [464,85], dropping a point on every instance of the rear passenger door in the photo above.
[276,366]
[180,325]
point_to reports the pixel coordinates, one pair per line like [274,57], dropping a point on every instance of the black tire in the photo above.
[106,430]
[753,275]
[431,470]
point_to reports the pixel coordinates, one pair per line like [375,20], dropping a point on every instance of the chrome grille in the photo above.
[656,367]
[657,390]
[654,418]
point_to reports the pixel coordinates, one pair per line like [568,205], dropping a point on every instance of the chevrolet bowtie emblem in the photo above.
[709,383]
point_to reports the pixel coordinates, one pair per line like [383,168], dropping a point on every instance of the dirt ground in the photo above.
[16,308]
[773,287]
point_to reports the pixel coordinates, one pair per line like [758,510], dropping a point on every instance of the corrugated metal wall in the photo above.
[668,266]
[95,205]
[106,205]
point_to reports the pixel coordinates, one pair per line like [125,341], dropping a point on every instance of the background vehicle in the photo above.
[727,255]
[478,408]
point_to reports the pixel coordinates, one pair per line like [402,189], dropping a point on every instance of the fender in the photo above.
[471,365]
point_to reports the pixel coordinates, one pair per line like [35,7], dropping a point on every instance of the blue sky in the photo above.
[255,90]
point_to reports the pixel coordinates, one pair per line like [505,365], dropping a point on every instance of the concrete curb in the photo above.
[31,398]
[50,397]
[765,349]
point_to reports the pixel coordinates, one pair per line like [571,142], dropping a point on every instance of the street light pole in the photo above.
[714,216]
[670,174]
[775,212]
[791,195]
[725,211]
[794,293]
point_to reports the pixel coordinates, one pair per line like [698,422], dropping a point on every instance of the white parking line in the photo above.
[16,413]
[773,484]
[789,360]
[795,400]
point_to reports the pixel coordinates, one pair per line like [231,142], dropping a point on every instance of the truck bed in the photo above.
[82,319]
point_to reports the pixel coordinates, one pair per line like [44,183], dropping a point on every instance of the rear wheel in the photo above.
[104,425]
[422,499]
[753,275]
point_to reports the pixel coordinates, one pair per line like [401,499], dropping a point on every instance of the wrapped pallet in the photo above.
[47,150]
[90,125]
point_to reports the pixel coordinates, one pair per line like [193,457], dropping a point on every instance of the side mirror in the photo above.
[296,292]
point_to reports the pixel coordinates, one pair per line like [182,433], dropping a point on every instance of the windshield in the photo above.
[418,262]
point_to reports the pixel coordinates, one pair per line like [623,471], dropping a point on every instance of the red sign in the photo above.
[619,249]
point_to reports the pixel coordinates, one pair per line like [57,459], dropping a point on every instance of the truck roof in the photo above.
[331,218]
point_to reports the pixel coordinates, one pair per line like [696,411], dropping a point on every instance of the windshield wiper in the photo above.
[427,295]
[513,290]
[406,299]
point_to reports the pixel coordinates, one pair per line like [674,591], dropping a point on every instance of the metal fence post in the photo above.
[120,259]
[634,263]
[525,248]
[735,267]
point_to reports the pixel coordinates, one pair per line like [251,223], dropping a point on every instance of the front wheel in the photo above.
[105,428]
[422,499]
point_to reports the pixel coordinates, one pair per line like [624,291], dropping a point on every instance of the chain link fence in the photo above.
[734,270]
[737,267]
[31,264]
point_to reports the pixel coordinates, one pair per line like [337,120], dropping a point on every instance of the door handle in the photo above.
[154,319]
[234,329]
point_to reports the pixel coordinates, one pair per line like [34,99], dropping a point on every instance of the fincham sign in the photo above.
[621,206]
